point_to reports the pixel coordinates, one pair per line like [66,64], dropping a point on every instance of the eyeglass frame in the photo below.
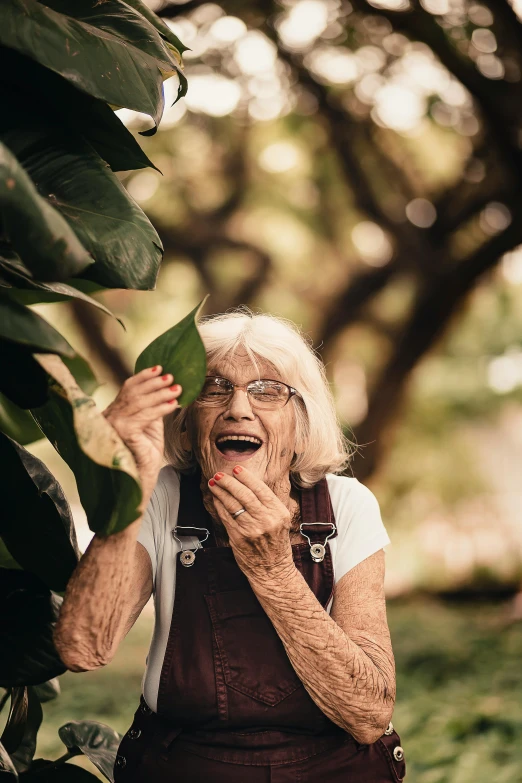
[244,387]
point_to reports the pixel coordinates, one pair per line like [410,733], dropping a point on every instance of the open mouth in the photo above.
[238,447]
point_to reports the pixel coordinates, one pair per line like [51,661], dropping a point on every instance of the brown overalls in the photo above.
[231,708]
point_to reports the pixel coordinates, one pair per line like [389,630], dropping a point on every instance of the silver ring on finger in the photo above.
[238,512]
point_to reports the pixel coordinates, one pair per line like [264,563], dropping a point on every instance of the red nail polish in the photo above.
[171,402]
[211,482]
[156,368]
[174,388]
[164,377]
[238,469]
[218,476]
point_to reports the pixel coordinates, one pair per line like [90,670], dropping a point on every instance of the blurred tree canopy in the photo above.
[354,166]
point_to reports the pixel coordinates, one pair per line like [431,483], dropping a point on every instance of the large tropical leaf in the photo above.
[36,524]
[19,285]
[23,326]
[163,28]
[49,247]
[179,351]
[8,771]
[18,423]
[29,611]
[6,558]
[23,381]
[95,740]
[52,100]
[105,49]
[109,223]
[105,471]
[21,729]
[48,691]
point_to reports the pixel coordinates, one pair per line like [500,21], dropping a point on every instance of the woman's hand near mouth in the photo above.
[259,537]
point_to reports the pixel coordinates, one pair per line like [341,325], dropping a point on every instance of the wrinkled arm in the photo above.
[345,659]
[106,593]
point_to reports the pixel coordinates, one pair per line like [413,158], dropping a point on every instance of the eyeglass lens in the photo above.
[264,392]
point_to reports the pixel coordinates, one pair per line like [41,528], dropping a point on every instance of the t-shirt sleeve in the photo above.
[152,526]
[361,531]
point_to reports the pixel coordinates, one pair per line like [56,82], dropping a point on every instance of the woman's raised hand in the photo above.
[137,416]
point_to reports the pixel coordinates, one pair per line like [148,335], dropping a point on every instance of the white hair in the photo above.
[323,446]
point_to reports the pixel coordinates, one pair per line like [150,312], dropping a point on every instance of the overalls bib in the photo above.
[231,708]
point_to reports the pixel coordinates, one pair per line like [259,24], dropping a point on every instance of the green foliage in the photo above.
[38,512]
[95,740]
[107,50]
[67,226]
[180,351]
[35,230]
[458,691]
[27,653]
[104,468]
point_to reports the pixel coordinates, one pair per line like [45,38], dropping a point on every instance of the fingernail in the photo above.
[175,388]
[211,483]
[155,368]
[171,402]
[238,469]
[165,377]
[218,476]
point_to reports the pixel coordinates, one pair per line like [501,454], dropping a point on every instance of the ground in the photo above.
[459,700]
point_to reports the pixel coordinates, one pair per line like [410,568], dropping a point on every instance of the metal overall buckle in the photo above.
[318,551]
[187,557]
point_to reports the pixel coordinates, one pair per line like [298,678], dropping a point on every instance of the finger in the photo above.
[224,515]
[144,375]
[153,384]
[157,397]
[258,487]
[232,502]
[238,490]
[151,414]
[135,404]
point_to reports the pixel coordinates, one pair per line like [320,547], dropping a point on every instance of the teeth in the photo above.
[250,438]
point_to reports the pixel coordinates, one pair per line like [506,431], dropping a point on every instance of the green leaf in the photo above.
[6,559]
[29,611]
[36,526]
[95,740]
[22,326]
[48,691]
[83,375]
[163,28]
[180,351]
[21,729]
[17,423]
[111,226]
[36,231]
[105,471]
[25,383]
[105,49]
[53,101]
[20,286]
[7,768]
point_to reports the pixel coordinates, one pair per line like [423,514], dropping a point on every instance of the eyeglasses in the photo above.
[261,394]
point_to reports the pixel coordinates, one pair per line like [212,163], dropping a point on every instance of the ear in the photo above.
[299,446]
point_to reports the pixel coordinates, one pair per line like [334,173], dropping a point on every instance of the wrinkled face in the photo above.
[275,429]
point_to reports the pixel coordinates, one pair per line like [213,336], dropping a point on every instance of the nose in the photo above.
[239,407]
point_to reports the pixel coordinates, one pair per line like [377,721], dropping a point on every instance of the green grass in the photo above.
[459,702]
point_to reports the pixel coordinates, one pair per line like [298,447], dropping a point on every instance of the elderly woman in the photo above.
[271,657]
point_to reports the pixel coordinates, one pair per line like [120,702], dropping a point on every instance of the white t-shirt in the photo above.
[361,533]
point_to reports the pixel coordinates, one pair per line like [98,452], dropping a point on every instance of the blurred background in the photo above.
[356,167]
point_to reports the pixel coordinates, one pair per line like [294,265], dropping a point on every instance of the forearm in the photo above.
[96,605]
[351,681]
